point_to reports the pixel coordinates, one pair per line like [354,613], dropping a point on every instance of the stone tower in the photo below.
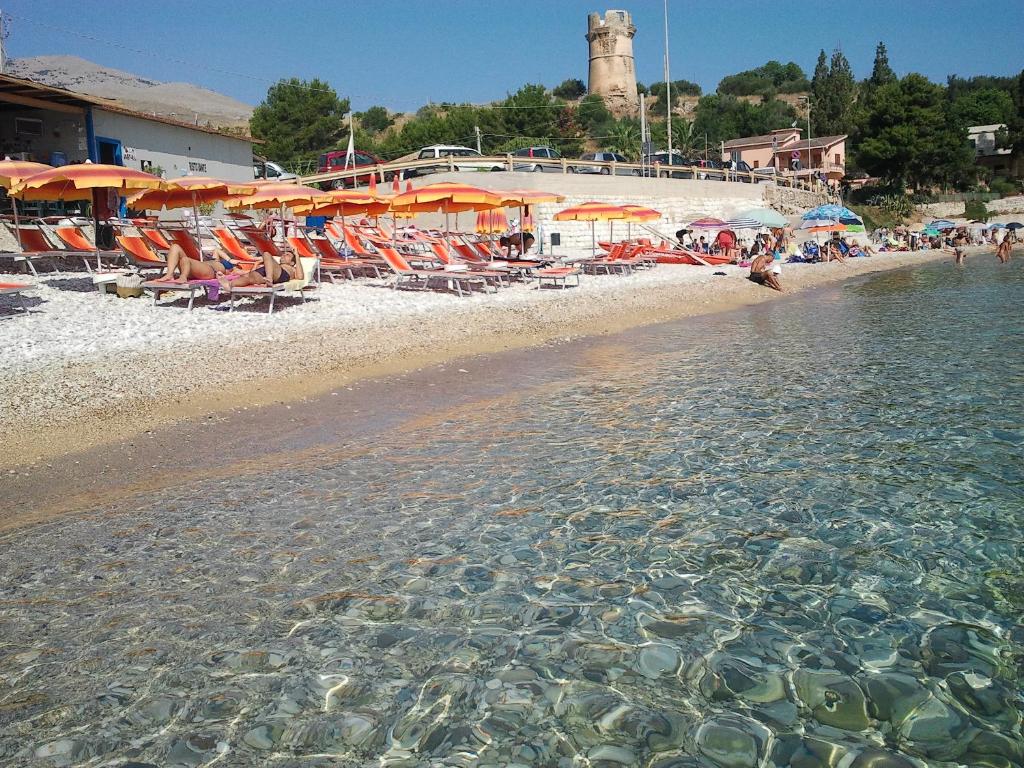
[612,71]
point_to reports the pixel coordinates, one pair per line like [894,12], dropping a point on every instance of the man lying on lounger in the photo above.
[193,269]
[762,271]
[271,273]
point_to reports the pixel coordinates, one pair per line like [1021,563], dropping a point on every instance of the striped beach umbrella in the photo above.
[520,197]
[641,213]
[741,222]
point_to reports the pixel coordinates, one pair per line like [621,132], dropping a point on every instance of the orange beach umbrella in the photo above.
[592,212]
[12,172]
[345,202]
[489,222]
[447,197]
[77,182]
[279,195]
[189,191]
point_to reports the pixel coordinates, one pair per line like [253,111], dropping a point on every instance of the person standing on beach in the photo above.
[1003,249]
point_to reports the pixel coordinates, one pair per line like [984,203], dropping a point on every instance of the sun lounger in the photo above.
[186,241]
[334,263]
[191,287]
[138,253]
[15,289]
[423,278]
[261,242]
[35,247]
[156,237]
[557,276]
[229,241]
[301,286]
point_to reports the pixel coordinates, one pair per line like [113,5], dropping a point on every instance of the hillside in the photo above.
[180,101]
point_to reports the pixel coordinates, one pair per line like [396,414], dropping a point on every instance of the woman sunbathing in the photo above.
[193,269]
[271,273]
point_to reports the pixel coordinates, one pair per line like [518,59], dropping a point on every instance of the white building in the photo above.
[55,126]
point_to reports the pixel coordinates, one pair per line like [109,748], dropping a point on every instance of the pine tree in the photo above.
[843,91]
[881,72]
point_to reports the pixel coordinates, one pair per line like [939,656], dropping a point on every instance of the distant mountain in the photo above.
[179,101]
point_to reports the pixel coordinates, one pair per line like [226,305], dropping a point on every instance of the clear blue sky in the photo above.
[403,54]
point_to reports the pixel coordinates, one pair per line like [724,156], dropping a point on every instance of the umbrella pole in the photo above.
[593,241]
[199,236]
[17,224]
[96,229]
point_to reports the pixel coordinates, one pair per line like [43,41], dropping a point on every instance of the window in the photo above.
[523,152]
[28,126]
[323,161]
[364,159]
[425,153]
[838,159]
[757,163]
[338,161]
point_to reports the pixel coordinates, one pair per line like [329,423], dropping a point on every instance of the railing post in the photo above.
[657,170]
[612,173]
[451,164]
[565,166]
[508,159]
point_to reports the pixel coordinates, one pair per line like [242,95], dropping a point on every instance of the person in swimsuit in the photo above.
[193,269]
[271,273]
[762,271]
[522,242]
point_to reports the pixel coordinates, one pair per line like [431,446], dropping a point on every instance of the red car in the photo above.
[335,161]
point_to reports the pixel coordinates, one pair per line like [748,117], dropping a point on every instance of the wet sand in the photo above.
[428,372]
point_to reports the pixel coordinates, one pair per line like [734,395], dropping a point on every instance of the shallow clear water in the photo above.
[785,536]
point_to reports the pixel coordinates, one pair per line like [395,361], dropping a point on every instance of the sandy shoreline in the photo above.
[82,392]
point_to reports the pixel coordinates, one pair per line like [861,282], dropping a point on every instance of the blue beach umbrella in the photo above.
[1015,225]
[997,225]
[830,212]
[941,224]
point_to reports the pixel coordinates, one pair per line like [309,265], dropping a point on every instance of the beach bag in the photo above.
[129,286]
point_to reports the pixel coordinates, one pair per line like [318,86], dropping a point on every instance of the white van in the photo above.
[464,159]
[272,171]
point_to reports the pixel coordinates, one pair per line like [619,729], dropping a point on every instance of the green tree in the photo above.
[593,116]
[770,78]
[299,119]
[570,89]
[725,117]
[624,138]
[909,137]
[833,94]
[881,72]
[684,137]
[375,119]
[532,114]
[983,107]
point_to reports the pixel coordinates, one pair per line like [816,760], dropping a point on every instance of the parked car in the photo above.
[765,175]
[546,153]
[265,169]
[465,160]
[606,157]
[660,165]
[335,161]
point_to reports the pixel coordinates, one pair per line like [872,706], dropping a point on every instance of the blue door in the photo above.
[109,153]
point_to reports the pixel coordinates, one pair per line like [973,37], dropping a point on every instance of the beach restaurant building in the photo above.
[56,126]
[784,150]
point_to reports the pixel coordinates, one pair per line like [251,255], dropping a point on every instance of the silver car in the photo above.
[605,170]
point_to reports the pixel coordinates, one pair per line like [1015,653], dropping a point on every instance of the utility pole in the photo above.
[668,91]
[4,32]
[643,135]
[476,129]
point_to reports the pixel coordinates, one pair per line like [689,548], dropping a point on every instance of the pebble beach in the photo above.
[81,369]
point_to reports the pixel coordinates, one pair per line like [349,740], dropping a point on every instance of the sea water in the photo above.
[789,535]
